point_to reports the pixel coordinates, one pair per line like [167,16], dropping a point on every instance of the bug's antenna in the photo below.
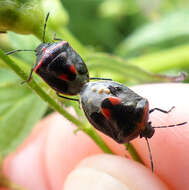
[17,50]
[44,29]
[150,154]
[175,125]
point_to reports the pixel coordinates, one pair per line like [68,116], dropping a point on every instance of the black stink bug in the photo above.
[118,112]
[59,66]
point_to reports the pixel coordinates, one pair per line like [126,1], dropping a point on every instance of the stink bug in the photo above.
[59,66]
[118,112]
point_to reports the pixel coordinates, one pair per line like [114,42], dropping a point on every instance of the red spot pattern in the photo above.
[73,69]
[114,100]
[63,77]
[106,112]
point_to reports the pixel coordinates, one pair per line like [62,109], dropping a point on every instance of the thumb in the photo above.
[112,172]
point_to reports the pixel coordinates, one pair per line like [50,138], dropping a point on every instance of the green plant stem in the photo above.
[98,140]
[132,151]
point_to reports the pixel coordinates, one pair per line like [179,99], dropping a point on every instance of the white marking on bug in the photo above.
[107,91]
[94,89]
[101,90]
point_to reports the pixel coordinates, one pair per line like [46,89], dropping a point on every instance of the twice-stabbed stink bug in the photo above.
[118,112]
[110,107]
[59,66]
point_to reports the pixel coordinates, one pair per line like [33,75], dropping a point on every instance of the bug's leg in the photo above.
[164,111]
[73,99]
[55,38]
[18,50]
[150,154]
[29,78]
[96,78]
[30,75]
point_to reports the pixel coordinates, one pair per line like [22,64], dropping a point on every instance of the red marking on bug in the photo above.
[142,123]
[63,77]
[44,49]
[73,69]
[114,100]
[107,113]
[48,52]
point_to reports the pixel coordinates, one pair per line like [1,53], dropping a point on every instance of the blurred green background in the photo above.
[152,34]
[129,28]
[130,41]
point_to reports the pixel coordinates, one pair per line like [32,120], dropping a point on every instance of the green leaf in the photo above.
[19,41]
[172,59]
[168,31]
[20,109]
[123,71]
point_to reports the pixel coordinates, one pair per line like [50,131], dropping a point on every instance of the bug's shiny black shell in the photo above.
[61,67]
[116,110]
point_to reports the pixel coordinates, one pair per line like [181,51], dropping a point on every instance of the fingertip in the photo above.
[112,172]
[47,156]
[64,150]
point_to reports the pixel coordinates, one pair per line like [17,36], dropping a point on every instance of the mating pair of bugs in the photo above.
[109,106]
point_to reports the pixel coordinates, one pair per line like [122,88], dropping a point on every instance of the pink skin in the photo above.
[52,152]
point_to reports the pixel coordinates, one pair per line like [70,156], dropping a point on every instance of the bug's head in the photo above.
[148,131]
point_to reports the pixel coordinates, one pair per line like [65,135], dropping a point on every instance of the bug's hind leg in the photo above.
[73,99]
